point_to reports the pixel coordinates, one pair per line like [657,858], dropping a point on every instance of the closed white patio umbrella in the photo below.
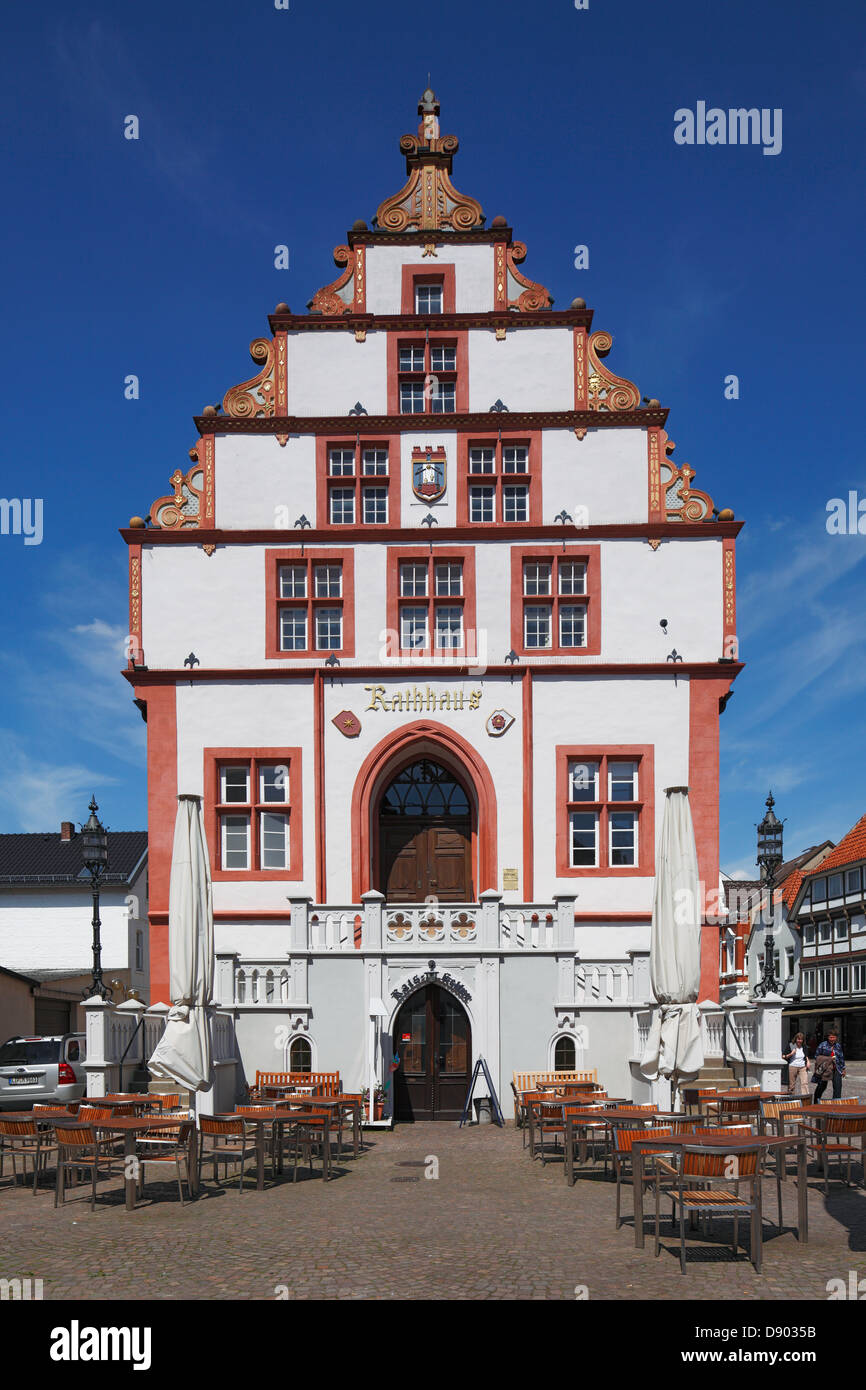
[183,1053]
[674,1048]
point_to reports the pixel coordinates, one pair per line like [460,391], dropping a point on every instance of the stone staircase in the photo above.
[717,1075]
[166,1088]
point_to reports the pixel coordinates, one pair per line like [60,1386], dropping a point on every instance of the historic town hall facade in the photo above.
[457,619]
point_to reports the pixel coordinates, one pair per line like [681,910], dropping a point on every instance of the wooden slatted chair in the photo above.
[25,1139]
[223,1141]
[166,1146]
[841,1130]
[77,1149]
[623,1169]
[700,1190]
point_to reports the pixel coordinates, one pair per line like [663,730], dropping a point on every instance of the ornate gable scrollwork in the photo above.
[604,390]
[682,502]
[428,200]
[339,296]
[183,507]
[528,295]
[254,397]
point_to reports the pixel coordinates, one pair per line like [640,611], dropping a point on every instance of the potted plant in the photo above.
[379,1103]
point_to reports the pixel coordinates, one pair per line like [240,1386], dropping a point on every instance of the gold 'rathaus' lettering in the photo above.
[417,700]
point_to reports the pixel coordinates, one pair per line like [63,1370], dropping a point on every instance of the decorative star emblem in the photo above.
[348,723]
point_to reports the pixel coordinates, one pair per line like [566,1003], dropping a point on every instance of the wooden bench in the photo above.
[323,1083]
[528,1080]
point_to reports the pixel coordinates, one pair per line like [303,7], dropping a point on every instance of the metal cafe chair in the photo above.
[166,1146]
[700,1189]
[223,1141]
[25,1139]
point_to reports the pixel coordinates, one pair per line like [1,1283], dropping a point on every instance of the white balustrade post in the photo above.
[132,1060]
[371,926]
[299,930]
[770,1041]
[564,921]
[225,979]
[97,1013]
[490,905]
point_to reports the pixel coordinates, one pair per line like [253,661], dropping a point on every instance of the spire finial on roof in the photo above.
[429,201]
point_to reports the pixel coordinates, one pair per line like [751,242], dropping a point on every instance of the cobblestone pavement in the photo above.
[493,1225]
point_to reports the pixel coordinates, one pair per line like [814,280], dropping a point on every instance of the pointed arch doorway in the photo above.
[425,819]
[433,1040]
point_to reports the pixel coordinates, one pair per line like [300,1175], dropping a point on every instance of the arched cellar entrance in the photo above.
[425,817]
[433,1039]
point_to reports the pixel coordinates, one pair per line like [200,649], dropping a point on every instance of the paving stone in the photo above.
[494,1225]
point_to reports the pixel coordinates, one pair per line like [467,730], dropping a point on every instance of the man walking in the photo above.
[831,1049]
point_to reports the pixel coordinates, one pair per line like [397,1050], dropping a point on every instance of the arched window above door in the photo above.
[424,789]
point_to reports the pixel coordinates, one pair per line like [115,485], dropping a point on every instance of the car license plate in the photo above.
[22,1080]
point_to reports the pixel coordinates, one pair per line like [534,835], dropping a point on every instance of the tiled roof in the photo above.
[45,858]
[850,849]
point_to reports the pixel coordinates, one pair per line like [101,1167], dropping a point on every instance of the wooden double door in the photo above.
[433,1040]
[425,837]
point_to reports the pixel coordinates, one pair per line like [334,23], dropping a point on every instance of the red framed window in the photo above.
[604,813]
[310,603]
[426,291]
[358,483]
[555,600]
[253,812]
[500,480]
[431,602]
[427,373]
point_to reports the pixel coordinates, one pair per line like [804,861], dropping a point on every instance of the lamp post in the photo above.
[769,859]
[94,852]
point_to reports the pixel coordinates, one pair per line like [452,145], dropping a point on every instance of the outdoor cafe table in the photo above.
[731,1145]
[612,1119]
[132,1127]
[279,1115]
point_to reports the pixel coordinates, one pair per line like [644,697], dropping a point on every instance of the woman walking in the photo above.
[798,1067]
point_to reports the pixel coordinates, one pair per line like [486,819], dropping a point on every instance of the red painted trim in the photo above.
[359,303]
[591,554]
[420,554]
[670,531]
[704,800]
[410,741]
[206,454]
[465,479]
[319,780]
[429,273]
[528,792]
[273,604]
[581,358]
[417,338]
[656,456]
[644,755]
[698,670]
[361,530]
[268,914]
[161,817]
[730,645]
[500,277]
[213,758]
[134,652]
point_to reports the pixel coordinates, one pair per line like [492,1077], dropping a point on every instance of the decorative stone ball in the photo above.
[359,225]
[192,454]
[209,410]
[652,404]
[578,304]
[499,221]
[282,308]
[136,523]
[726,514]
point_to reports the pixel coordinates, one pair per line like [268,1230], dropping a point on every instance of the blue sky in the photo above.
[262,126]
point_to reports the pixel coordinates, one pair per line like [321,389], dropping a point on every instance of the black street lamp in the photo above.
[769,859]
[94,852]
